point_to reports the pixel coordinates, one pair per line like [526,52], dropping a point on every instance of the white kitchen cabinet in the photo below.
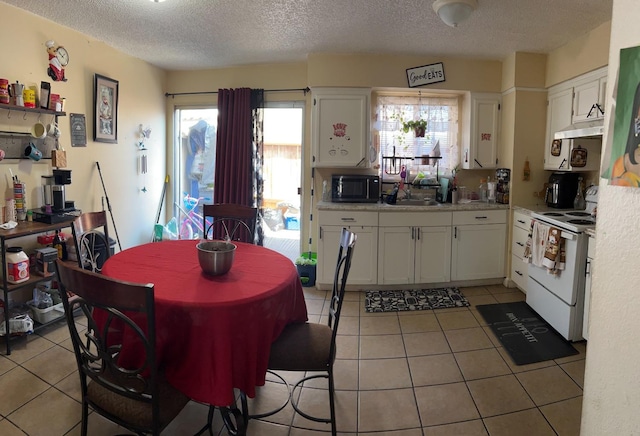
[519,236]
[365,255]
[591,254]
[478,244]
[415,247]
[559,109]
[588,92]
[481,130]
[340,127]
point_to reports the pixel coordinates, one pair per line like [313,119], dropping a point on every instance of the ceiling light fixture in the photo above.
[454,12]
[157,1]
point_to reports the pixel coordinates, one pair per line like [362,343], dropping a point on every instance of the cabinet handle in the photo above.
[520,244]
[351,220]
[455,233]
[418,232]
[320,232]
[587,272]
[562,164]
[481,217]
[521,222]
[413,233]
[518,272]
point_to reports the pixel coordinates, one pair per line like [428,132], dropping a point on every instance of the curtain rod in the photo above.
[173,94]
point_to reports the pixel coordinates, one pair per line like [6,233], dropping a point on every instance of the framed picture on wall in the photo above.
[105,105]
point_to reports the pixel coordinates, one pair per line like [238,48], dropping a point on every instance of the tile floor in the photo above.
[400,374]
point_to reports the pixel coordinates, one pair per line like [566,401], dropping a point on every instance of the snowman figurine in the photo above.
[58,58]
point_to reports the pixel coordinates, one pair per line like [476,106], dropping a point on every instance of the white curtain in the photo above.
[441,139]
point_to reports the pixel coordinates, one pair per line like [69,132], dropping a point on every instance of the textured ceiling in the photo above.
[197,34]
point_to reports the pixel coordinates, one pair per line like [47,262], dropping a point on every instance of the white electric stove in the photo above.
[559,297]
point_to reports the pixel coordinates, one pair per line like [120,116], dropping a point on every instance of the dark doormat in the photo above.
[414,299]
[524,334]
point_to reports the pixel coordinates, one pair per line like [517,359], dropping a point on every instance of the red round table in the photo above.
[214,334]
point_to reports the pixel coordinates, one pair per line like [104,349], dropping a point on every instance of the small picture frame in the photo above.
[556,147]
[105,104]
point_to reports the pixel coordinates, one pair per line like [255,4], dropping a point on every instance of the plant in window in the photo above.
[419,127]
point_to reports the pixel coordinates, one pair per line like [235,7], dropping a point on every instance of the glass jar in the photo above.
[579,202]
[482,190]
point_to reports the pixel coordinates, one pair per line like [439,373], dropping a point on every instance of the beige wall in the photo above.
[611,394]
[579,56]
[141,101]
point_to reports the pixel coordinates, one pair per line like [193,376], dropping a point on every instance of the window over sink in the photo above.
[394,131]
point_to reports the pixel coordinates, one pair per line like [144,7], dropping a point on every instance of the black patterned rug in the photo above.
[414,299]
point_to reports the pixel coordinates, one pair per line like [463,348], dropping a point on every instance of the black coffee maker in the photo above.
[503,176]
[562,190]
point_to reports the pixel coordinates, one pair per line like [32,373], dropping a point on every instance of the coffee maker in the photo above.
[503,176]
[53,192]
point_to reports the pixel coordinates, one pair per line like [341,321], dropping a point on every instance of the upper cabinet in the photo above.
[340,127]
[588,96]
[481,124]
[579,100]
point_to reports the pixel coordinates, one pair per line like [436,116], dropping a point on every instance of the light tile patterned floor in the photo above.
[419,373]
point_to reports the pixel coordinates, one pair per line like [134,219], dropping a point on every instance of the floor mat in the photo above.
[524,334]
[414,299]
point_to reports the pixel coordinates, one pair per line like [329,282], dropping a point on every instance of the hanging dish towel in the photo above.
[554,255]
[536,243]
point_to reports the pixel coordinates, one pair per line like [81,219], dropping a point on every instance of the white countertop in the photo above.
[384,207]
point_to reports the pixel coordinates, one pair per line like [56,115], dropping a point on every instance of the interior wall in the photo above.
[583,54]
[611,395]
[141,101]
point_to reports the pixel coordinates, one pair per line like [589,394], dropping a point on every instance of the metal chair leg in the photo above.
[209,424]
[332,419]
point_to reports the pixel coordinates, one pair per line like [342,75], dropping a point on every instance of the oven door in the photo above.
[567,283]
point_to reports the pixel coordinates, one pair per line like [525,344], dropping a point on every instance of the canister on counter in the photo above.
[4,91]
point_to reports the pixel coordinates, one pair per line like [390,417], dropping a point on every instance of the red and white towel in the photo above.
[545,247]
[554,254]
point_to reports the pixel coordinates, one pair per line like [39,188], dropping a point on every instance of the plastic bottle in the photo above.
[17,265]
[578,202]
[482,190]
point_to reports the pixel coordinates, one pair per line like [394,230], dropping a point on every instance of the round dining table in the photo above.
[214,333]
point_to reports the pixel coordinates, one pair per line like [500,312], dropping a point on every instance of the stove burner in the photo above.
[581,222]
[579,213]
[552,214]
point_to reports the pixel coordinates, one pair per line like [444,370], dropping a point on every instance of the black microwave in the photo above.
[355,189]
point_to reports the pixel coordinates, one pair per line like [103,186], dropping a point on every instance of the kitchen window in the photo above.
[440,139]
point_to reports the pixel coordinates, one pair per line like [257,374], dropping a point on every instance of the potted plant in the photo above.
[306,266]
[419,127]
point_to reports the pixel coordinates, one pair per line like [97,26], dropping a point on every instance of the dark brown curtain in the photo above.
[239,149]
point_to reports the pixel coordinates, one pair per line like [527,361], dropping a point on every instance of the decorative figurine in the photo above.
[58,58]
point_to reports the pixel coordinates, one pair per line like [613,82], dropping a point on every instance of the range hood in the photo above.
[585,129]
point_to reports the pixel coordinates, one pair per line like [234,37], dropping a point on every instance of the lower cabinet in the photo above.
[478,244]
[365,255]
[519,236]
[414,248]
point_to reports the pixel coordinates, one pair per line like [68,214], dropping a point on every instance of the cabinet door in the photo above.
[397,246]
[340,128]
[433,255]
[558,117]
[481,148]
[585,96]
[363,262]
[478,252]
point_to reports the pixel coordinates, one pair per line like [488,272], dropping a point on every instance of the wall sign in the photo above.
[78,130]
[425,75]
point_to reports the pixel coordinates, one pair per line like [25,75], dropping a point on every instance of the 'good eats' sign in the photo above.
[425,75]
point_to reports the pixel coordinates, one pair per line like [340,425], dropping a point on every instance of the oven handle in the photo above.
[569,236]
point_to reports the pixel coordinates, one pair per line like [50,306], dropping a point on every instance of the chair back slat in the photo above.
[227,221]
[91,236]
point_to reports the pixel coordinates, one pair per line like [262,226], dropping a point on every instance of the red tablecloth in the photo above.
[214,333]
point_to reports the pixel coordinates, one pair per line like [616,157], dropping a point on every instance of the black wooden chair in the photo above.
[91,237]
[311,346]
[228,221]
[137,397]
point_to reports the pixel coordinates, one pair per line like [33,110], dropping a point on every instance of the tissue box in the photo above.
[45,261]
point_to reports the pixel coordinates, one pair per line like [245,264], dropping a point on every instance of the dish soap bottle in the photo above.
[578,202]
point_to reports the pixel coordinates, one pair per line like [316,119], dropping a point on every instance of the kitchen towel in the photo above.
[536,243]
[554,256]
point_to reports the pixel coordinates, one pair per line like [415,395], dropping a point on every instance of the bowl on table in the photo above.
[215,257]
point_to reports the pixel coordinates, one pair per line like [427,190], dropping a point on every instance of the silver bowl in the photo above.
[215,257]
